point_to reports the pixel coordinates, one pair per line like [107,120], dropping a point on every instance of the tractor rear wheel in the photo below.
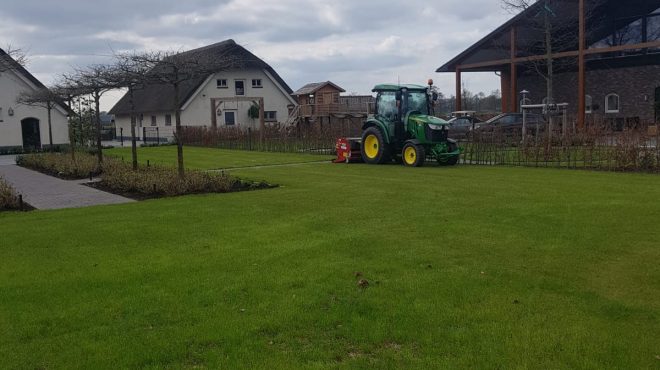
[413,155]
[374,148]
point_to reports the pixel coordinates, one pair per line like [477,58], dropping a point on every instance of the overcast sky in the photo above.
[354,43]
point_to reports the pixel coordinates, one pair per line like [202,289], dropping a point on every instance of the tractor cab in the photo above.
[404,127]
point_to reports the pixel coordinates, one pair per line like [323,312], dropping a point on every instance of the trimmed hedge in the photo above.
[61,164]
[148,182]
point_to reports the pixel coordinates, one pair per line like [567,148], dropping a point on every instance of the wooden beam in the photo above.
[563,54]
[513,97]
[581,108]
[505,82]
[611,49]
[459,91]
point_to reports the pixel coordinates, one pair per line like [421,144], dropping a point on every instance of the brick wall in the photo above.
[634,85]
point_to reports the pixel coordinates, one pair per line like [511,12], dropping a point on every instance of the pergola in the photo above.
[579,23]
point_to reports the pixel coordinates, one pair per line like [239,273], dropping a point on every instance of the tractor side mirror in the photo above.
[399,97]
[435,96]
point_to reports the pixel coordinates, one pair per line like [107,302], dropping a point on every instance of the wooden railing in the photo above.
[323,110]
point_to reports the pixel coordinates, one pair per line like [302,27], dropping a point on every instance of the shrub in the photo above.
[60,164]
[8,197]
[148,182]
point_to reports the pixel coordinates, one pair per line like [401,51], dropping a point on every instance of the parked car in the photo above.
[460,127]
[512,123]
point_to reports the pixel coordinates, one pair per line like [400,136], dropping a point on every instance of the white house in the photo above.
[201,99]
[24,126]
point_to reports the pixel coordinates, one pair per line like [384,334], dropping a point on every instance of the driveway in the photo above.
[47,192]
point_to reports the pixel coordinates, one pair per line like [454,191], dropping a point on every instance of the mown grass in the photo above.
[468,267]
[212,159]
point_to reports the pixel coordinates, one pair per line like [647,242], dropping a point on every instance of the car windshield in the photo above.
[495,118]
[418,101]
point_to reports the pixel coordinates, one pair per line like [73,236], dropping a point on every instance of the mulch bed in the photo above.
[239,186]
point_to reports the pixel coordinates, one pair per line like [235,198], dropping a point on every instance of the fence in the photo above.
[315,138]
[597,147]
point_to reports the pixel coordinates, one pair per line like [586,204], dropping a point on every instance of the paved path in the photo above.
[47,192]
[6,160]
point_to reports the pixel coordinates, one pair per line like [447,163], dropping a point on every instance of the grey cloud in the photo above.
[291,35]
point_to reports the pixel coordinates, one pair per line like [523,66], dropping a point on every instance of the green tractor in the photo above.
[404,128]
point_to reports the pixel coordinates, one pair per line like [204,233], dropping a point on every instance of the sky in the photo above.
[354,43]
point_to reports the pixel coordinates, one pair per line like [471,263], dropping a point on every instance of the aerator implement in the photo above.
[404,129]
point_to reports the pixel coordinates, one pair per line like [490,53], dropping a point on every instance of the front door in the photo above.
[31,134]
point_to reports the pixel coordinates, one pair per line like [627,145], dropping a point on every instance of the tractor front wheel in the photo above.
[374,148]
[413,155]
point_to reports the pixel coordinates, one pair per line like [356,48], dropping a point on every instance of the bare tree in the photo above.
[559,34]
[12,57]
[173,69]
[94,80]
[130,72]
[44,98]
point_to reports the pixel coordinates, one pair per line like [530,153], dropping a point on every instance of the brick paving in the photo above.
[47,192]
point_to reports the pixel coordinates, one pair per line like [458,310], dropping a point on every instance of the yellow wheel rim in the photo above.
[371,146]
[410,155]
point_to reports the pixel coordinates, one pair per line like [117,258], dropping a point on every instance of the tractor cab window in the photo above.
[386,105]
[418,101]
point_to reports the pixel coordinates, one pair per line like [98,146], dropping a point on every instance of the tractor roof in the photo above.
[397,87]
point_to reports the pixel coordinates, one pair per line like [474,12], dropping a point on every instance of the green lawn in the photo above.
[468,267]
[212,159]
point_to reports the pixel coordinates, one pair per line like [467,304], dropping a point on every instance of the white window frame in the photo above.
[588,104]
[168,120]
[274,114]
[221,83]
[236,88]
[224,117]
[607,103]
[257,83]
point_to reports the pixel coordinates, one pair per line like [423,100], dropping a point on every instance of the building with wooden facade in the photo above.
[605,56]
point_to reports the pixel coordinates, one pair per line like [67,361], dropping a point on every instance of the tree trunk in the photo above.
[72,138]
[133,122]
[179,132]
[50,127]
[550,70]
[99,145]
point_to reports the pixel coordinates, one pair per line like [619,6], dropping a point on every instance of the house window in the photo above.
[1,116]
[168,120]
[335,98]
[154,122]
[270,116]
[257,84]
[221,83]
[588,102]
[230,118]
[240,87]
[133,120]
[612,103]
